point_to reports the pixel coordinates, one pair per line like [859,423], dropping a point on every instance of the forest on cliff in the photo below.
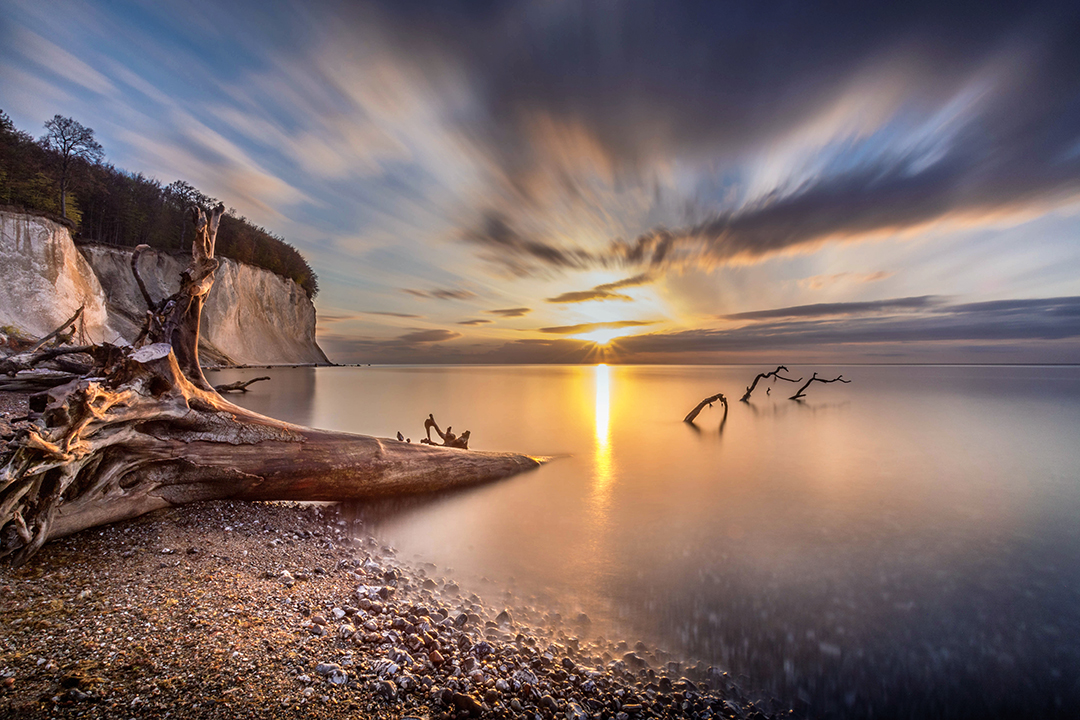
[108,205]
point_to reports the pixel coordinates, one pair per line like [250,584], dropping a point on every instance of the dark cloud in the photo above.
[839,309]
[479,321]
[428,336]
[511,312]
[520,252]
[441,294]
[980,114]
[999,321]
[588,327]
[607,291]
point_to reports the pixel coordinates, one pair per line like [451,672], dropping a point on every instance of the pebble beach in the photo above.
[233,609]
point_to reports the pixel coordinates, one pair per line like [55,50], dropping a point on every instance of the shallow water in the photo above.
[903,546]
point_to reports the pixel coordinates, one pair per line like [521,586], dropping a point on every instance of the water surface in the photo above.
[906,545]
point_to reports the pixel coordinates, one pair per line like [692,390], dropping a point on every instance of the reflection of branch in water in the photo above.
[815,408]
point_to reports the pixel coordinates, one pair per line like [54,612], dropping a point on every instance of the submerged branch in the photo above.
[718,397]
[764,376]
[801,393]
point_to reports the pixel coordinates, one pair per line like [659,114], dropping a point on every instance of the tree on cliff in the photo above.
[142,429]
[71,141]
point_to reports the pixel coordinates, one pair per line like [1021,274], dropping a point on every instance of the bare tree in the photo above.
[73,141]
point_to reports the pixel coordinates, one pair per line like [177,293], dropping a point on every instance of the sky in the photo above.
[632,181]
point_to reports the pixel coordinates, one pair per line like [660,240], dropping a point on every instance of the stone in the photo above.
[467,704]
[576,712]
[386,689]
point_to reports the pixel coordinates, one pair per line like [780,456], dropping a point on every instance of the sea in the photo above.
[903,545]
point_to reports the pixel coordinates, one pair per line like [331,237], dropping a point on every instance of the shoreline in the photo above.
[238,609]
[251,609]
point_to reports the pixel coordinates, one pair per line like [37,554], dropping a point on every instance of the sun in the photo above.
[603,336]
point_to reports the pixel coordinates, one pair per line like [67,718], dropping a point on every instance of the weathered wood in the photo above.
[67,323]
[145,430]
[765,376]
[718,397]
[239,385]
[449,438]
[802,391]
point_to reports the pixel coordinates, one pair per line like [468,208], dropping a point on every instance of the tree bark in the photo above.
[144,430]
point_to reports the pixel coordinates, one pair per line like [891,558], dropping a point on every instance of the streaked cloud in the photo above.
[840,309]
[511,312]
[589,327]
[442,294]
[607,291]
[428,336]
[479,321]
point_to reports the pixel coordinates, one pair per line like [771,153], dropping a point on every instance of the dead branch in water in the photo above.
[765,376]
[240,385]
[718,397]
[801,393]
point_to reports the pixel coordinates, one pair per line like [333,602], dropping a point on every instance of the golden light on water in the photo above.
[603,404]
[604,470]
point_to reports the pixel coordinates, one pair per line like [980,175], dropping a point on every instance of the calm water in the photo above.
[906,545]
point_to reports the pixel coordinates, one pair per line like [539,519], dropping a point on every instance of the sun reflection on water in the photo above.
[603,465]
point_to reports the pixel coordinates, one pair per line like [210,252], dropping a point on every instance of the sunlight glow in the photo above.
[604,335]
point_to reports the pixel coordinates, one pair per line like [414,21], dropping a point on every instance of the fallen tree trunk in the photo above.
[144,430]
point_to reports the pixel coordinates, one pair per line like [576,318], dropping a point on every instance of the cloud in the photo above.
[389,314]
[519,251]
[817,282]
[442,294]
[840,308]
[1003,321]
[480,321]
[511,312]
[605,291]
[589,327]
[428,336]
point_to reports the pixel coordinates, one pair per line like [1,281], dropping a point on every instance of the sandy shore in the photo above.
[231,609]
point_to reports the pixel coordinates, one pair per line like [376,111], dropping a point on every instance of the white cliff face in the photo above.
[44,279]
[251,316]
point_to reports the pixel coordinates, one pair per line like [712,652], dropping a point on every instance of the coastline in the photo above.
[238,609]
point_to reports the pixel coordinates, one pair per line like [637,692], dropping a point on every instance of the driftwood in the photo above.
[55,333]
[238,386]
[718,397]
[765,376]
[449,439]
[802,391]
[144,430]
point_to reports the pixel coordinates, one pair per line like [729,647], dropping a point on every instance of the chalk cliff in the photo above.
[252,316]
